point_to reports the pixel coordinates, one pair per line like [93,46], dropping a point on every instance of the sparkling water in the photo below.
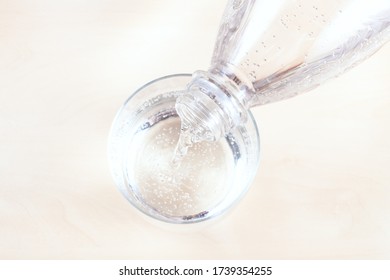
[178,179]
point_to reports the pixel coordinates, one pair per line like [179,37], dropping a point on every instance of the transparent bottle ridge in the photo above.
[267,51]
[185,149]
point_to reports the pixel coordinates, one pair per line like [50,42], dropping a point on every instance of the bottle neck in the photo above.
[214,103]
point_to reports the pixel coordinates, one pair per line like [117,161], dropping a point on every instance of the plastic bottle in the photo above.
[267,51]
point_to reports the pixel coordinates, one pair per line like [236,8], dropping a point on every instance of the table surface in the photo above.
[322,190]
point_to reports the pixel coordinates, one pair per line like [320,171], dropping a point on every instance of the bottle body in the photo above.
[289,47]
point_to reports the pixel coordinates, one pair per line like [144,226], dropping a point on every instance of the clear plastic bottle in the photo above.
[267,51]
[184,149]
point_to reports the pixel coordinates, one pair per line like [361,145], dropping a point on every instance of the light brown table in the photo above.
[322,189]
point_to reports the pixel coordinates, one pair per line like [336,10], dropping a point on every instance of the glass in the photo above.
[208,180]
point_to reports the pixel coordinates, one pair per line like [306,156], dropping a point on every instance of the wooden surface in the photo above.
[322,190]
